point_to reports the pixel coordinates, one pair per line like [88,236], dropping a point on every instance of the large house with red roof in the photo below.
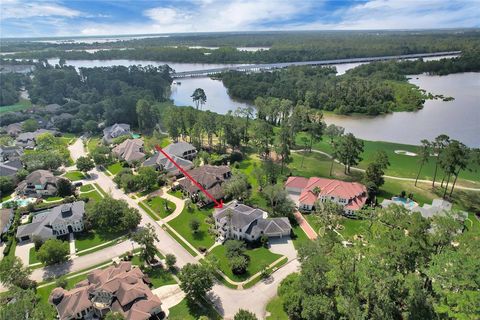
[306,191]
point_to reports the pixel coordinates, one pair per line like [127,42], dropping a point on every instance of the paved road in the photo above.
[389,177]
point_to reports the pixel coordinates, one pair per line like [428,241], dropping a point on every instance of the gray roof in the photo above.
[158,159]
[115,131]
[130,150]
[6,216]
[53,107]
[7,152]
[10,168]
[31,136]
[179,148]
[241,215]
[42,222]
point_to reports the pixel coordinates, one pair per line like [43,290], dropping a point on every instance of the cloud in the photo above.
[13,9]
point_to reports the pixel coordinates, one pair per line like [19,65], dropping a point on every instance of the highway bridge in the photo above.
[272,66]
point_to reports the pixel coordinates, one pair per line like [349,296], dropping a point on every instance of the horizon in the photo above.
[62,18]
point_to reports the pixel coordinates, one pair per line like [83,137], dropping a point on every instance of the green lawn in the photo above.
[54,199]
[351,227]
[115,168]
[86,188]
[184,311]
[101,190]
[6,196]
[298,236]
[150,141]
[184,245]
[157,204]
[275,307]
[246,166]
[92,144]
[181,224]
[400,165]
[20,105]
[159,276]
[176,193]
[259,258]
[32,256]
[74,175]
[86,240]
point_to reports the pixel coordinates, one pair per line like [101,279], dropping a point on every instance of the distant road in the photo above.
[270,66]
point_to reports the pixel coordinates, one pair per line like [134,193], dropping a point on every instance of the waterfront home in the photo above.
[57,221]
[181,149]
[210,178]
[118,288]
[130,150]
[238,221]
[115,131]
[39,183]
[306,192]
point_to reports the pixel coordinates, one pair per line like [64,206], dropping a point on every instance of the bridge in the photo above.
[272,66]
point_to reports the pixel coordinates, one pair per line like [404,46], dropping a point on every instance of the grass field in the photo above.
[298,236]
[182,243]
[53,199]
[184,311]
[157,204]
[275,308]
[86,188]
[259,258]
[74,175]
[32,256]
[400,165]
[158,276]
[20,105]
[181,224]
[87,240]
[92,144]
[176,193]
[115,168]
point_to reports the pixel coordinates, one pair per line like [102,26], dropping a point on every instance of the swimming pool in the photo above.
[407,203]
[21,202]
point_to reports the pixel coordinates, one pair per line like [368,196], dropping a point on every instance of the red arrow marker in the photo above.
[218,205]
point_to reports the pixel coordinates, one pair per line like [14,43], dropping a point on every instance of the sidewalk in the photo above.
[306,227]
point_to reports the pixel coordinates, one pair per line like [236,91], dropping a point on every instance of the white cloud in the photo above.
[14,9]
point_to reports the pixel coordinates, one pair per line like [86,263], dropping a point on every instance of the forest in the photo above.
[10,86]
[283,46]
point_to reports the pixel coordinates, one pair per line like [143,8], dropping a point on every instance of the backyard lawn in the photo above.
[74,175]
[184,311]
[259,258]
[157,204]
[275,307]
[53,199]
[115,168]
[158,276]
[181,224]
[20,105]
[176,193]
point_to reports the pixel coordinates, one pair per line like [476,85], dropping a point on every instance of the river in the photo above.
[460,118]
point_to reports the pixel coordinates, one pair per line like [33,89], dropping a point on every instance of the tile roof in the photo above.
[130,150]
[210,177]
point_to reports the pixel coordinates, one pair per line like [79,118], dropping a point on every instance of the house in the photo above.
[10,168]
[10,153]
[39,183]
[305,192]
[115,131]
[161,163]
[130,150]
[210,177]
[14,129]
[118,288]
[57,221]
[241,222]
[439,207]
[181,149]
[27,140]
[6,219]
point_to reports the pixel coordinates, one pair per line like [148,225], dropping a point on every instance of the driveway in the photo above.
[171,295]
[76,150]
[283,246]
[22,251]
[306,227]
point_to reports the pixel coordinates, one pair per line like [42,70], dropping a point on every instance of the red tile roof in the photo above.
[353,191]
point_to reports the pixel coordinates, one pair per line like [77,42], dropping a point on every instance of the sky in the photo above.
[51,18]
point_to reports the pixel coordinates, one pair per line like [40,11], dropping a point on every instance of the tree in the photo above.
[348,150]
[20,304]
[90,126]
[30,125]
[373,177]
[438,145]
[281,204]
[263,137]
[53,251]
[6,184]
[194,224]
[328,214]
[64,187]
[334,131]
[146,238]
[315,127]
[146,114]
[237,187]
[284,145]
[147,178]
[424,156]
[453,160]
[106,210]
[244,315]
[85,164]
[234,248]
[114,316]
[239,264]
[14,274]
[196,280]
[199,97]
[170,260]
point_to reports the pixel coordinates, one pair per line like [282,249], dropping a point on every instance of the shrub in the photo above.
[61,282]
[202,249]
[194,225]
[37,241]
[234,248]
[170,260]
[239,264]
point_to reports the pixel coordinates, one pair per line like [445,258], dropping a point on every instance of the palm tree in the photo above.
[199,97]
[438,145]
[424,156]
